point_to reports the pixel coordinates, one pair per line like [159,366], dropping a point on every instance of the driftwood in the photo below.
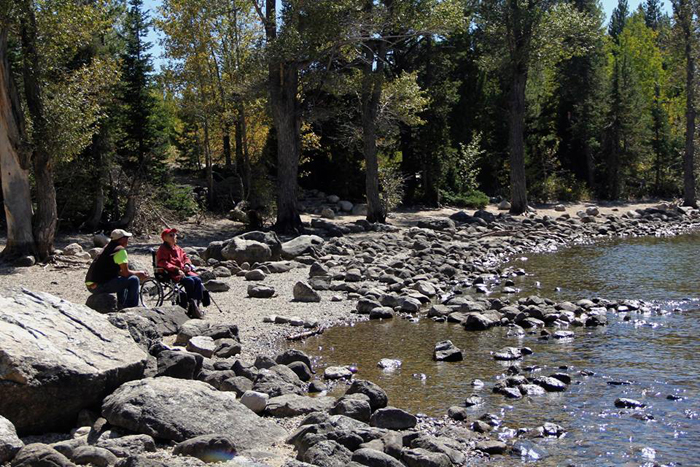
[305,334]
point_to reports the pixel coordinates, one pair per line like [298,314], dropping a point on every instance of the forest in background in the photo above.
[386,102]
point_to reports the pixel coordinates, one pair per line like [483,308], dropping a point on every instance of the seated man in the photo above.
[110,273]
[173,259]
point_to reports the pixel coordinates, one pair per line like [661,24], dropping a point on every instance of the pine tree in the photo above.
[652,14]
[141,133]
[618,19]
[581,95]
[137,102]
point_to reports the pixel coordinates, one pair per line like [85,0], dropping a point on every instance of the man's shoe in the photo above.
[193,310]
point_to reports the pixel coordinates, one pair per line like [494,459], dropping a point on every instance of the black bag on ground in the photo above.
[206,299]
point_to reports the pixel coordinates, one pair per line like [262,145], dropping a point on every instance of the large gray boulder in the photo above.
[277,381]
[377,396]
[9,441]
[301,245]
[292,405]
[167,318]
[393,419]
[175,409]
[242,251]
[141,329]
[268,238]
[57,358]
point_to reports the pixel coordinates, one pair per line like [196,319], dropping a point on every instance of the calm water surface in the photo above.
[657,354]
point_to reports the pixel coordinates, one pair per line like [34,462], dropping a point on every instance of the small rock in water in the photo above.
[563,335]
[619,383]
[420,376]
[673,397]
[551,429]
[563,377]
[623,403]
[645,417]
[472,401]
[529,451]
[477,383]
[389,364]
[508,353]
[447,352]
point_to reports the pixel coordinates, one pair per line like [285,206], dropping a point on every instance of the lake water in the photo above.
[657,354]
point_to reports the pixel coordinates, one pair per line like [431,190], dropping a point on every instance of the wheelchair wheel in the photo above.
[151,293]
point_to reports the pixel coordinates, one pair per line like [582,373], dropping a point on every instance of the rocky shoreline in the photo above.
[362,271]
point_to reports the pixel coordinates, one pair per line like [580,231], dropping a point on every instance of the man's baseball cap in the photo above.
[119,233]
[167,232]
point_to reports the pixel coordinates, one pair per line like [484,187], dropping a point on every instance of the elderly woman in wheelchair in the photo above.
[174,271]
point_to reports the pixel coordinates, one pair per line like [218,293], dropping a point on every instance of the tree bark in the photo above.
[14,165]
[129,212]
[242,154]
[209,164]
[227,145]
[518,187]
[97,148]
[283,85]
[689,195]
[46,216]
[372,85]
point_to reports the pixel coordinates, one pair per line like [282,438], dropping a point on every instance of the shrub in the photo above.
[391,187]
[179,200]
[474,199]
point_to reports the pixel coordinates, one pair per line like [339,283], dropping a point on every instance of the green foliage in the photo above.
[461,167]
[179,200]
[391,185]
[472,199]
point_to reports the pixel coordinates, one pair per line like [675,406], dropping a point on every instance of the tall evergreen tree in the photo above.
[686,21]
[618,18]
[581,96]
[652,14]
[140,132]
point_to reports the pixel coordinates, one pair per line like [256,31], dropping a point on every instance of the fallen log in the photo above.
[303,335]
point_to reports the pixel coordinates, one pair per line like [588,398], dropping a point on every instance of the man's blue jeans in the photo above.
[126,288]
[193,286]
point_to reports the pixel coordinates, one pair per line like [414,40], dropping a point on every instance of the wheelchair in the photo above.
[161,289]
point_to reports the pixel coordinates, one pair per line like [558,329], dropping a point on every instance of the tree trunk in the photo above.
[372,84]
[97,148]
[431,161]
[209,164]
[287,124]
[409,164]
[590,166]
[227,146]
[129,212]
[689,195]
[46,217]
[14,165]
[518,187]
[242,155]
[283,87]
